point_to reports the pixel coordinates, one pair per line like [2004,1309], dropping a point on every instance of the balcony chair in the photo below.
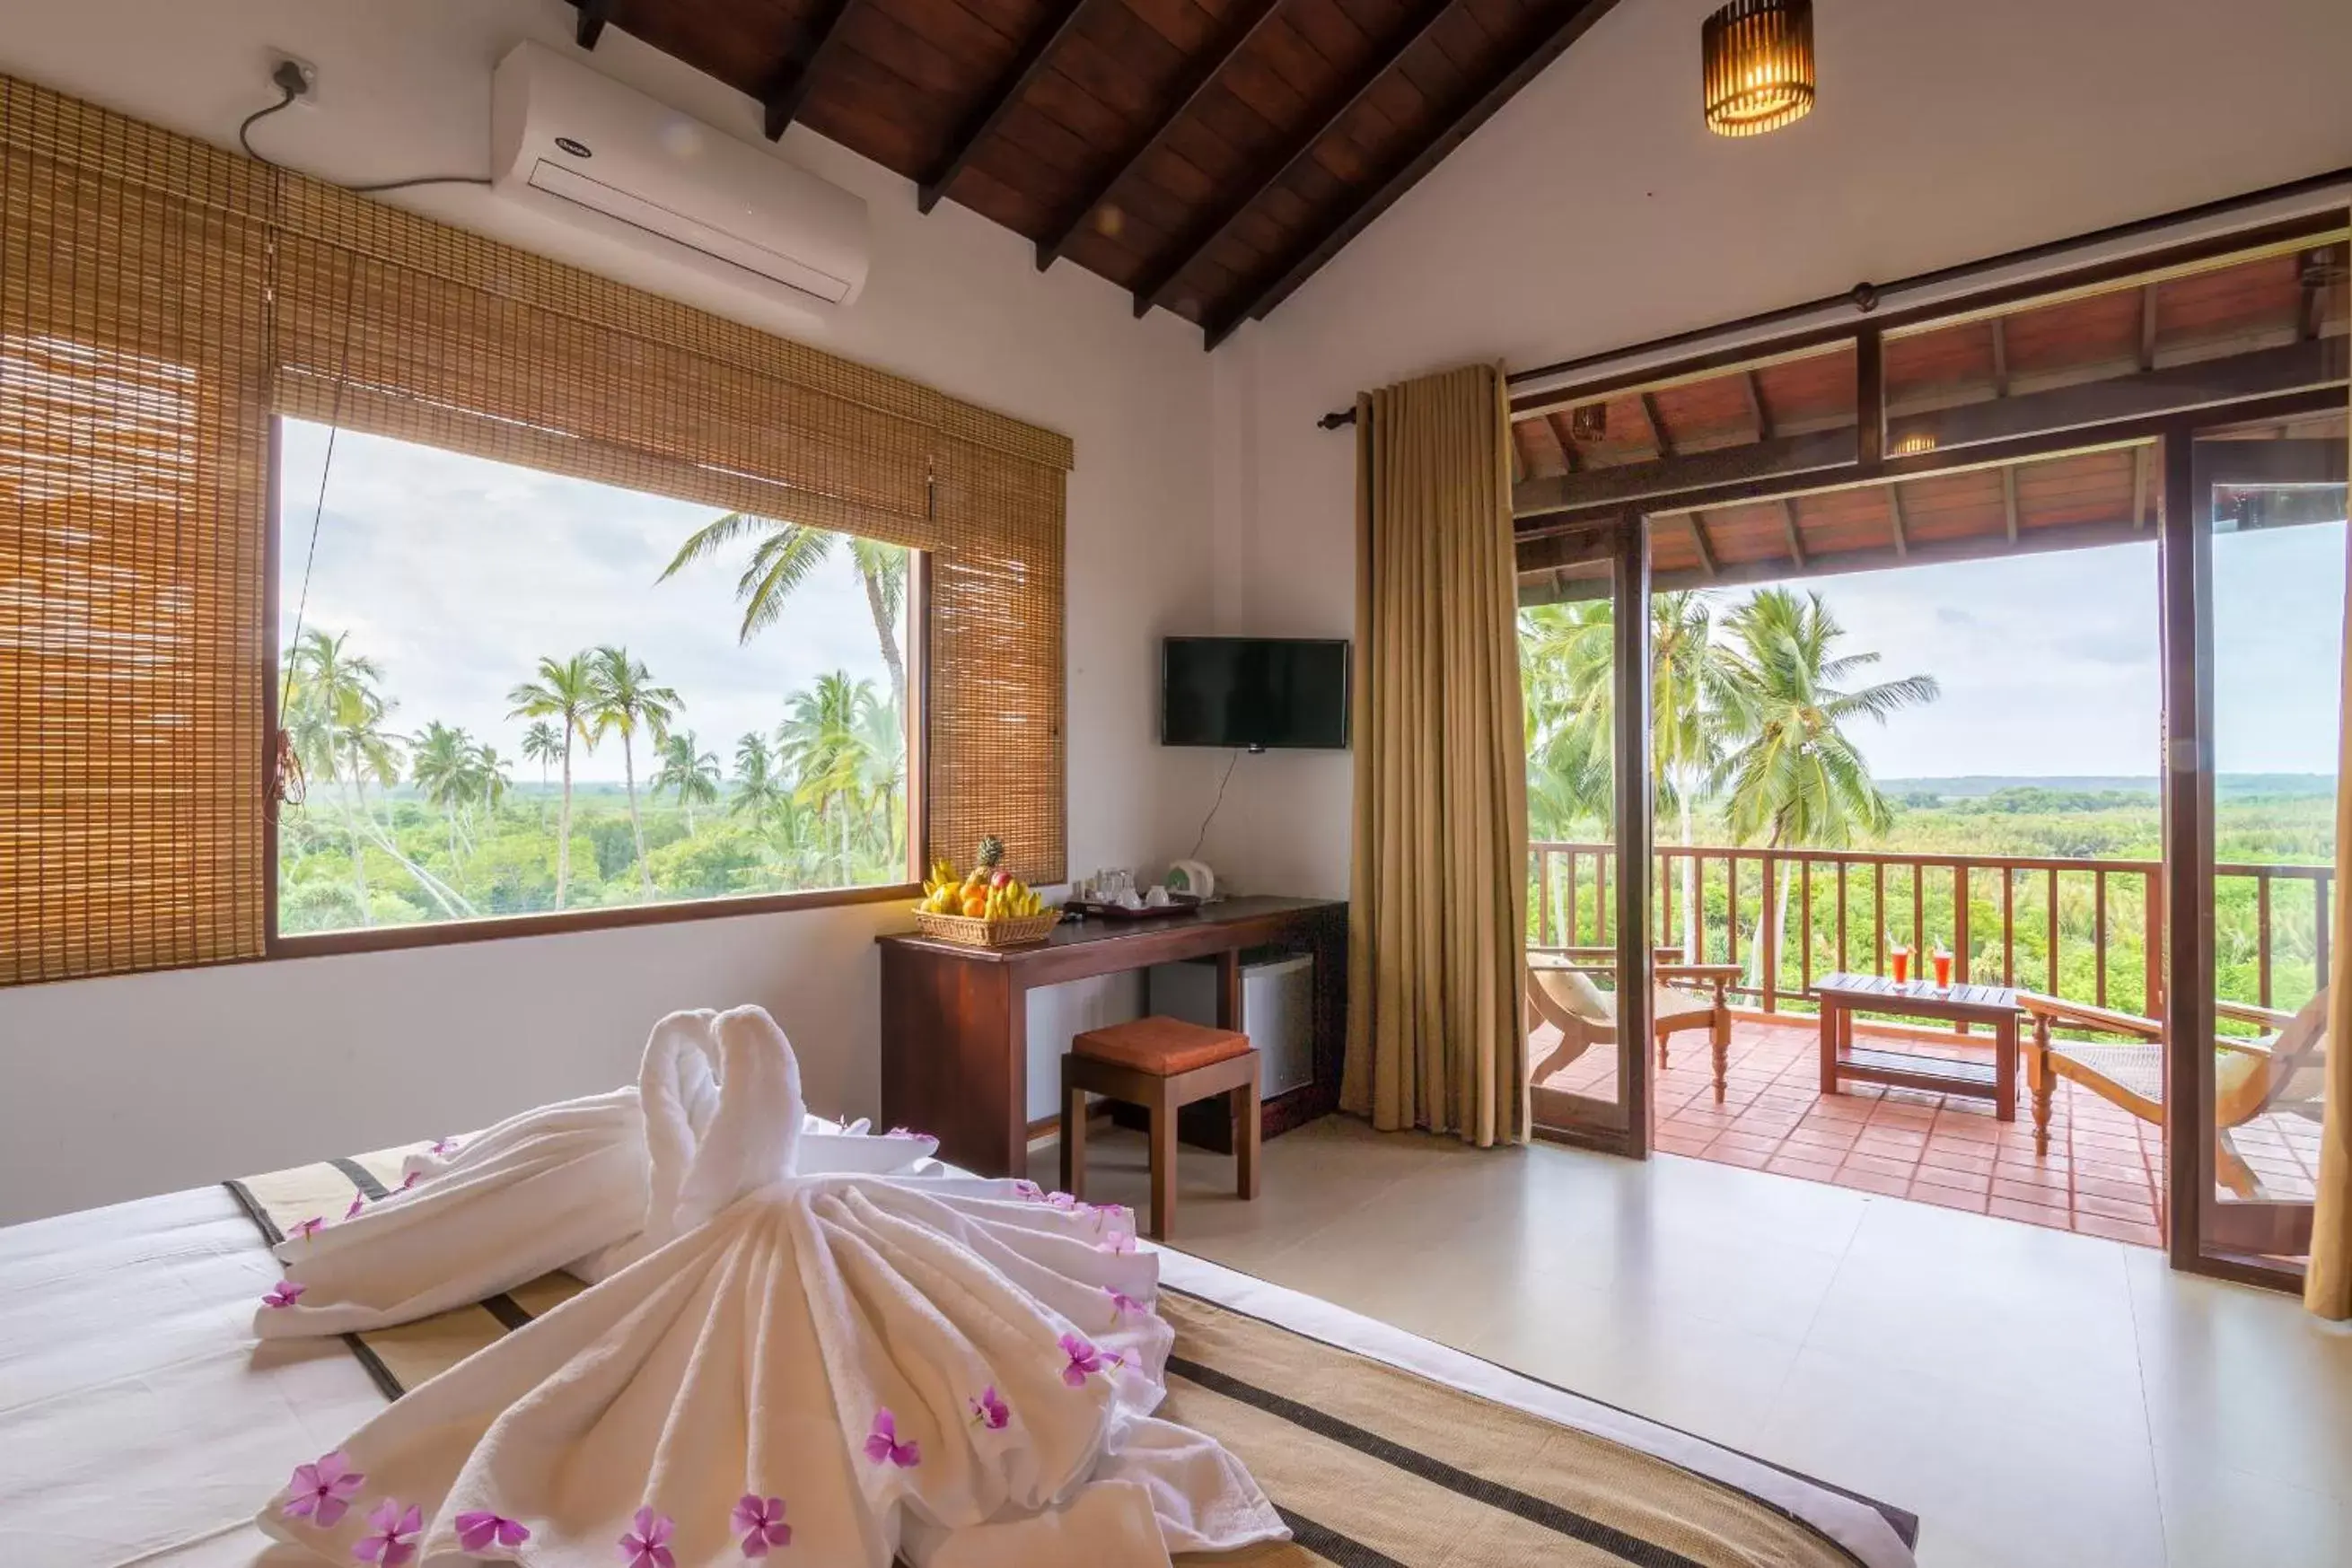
[2280,1071]
[1560,993]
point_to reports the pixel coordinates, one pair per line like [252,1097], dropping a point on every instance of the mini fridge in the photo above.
[1277,1011]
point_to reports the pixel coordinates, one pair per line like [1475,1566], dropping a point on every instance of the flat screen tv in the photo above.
[1255,692]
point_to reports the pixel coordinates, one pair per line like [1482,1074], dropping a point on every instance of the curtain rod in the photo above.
[1865,297]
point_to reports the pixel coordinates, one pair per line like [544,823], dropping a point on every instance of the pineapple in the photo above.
[984,863]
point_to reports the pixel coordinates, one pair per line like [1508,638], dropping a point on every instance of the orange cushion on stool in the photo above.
[1160,1047]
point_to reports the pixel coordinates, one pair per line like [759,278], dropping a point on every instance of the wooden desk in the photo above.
[1841,996]
[955,1020]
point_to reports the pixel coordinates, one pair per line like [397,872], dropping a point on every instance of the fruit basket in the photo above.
[989,908]
[1006,932]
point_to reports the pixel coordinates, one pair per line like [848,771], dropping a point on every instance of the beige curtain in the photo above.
[1437,947]
[2327,1287]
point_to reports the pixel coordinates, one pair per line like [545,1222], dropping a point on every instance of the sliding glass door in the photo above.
[1584,644]
[2267,565]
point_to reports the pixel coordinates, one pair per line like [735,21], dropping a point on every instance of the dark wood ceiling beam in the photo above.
[1759,415]
[2289,368]
[1575,16]
[1786,456]
[2148,327]
[1036,50]
[1660,442]
[1794,535]
[1159,284]
[1567,439]
[2008,500]
[2317,266]
[589,27]
[788,89]
[1241,26]
[1698,520]
[1999,357]
[2139,488]
[1894,519]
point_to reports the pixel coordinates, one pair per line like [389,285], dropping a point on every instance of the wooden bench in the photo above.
[1162,1065]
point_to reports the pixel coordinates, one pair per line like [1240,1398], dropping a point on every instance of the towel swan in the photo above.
[847,1366]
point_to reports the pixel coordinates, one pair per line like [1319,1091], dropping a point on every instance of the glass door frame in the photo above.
[2243,1239]
[1624,542]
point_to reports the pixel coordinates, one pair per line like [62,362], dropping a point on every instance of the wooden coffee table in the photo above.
[1841,996]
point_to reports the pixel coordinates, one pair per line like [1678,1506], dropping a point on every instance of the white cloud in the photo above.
[456,574]
[2049,664]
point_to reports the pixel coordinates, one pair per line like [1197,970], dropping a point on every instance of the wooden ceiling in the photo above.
[2245,327]
[1206,155]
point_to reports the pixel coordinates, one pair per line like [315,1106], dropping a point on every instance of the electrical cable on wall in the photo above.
[1203,837]
[292,83]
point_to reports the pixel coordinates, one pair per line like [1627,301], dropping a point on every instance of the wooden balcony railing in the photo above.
[2089,930]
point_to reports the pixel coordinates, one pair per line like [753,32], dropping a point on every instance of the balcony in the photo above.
[2085,930]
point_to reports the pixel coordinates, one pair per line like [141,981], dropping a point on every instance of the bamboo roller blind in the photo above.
[161,299]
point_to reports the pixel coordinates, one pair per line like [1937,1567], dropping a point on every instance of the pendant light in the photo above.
[1758,64]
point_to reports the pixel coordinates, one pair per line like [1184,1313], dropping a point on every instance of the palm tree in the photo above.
[541,744]
[441,766]
[785,556]
[337,715]
[821,744]
[565,692]
[756,790]
[1569,655]
[1793,775]
[488,779]
[882,774]
[625,701]
[689,774]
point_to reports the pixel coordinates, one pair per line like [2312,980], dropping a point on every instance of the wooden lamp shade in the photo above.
[1758,63]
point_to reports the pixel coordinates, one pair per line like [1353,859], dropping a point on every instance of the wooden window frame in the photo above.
[554,922]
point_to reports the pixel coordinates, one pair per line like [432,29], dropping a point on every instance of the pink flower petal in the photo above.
[358,1203]
[284,1293]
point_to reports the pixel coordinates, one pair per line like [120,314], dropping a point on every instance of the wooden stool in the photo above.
[1162,1064]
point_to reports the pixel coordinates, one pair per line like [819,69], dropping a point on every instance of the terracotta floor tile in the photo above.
[2100,1186]
[2142,1211]
[2103,1173]
[1978,1181]
[1873,1181]
[2119,1230]
[1946,1197]
[2026,1192]
[2031,1213]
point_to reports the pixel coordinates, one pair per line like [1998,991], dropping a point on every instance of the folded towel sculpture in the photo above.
[796,1344]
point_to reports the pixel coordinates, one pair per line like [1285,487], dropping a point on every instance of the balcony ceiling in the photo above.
[2181,341]
[1206,155]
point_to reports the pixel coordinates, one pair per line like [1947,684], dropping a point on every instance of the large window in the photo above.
[513,693]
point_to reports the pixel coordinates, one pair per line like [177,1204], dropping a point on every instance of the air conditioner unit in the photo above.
[607,159]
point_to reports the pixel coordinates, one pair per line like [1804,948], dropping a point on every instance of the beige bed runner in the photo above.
[1372,1467]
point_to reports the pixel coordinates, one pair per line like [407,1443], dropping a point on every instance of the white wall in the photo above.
[112,1089]
[1596,212]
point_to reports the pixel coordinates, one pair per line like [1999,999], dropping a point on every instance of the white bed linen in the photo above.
[140,1421]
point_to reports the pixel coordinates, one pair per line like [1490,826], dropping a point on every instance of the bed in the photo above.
[141,1422]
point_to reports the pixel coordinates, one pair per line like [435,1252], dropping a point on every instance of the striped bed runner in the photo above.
[1371,1467]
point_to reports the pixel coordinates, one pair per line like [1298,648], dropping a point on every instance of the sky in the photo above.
[456,574]
[2048,664]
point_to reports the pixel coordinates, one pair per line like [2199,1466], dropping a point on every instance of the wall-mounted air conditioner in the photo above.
[607,159]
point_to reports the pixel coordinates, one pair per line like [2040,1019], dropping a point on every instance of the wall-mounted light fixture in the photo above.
[1758,57]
